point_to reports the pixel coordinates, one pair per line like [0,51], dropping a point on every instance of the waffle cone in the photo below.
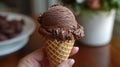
[57,51]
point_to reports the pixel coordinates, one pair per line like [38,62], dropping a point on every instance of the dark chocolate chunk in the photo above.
[3,37]
[10,29]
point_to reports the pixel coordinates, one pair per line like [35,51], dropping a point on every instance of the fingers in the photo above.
[38,55]
[33,59]
[70,62]
[67,63]
[74,51]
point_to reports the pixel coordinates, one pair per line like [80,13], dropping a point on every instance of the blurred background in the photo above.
[28,7]
[35,7]
[19,6]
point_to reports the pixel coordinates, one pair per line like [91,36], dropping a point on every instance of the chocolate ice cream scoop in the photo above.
[58,17]
[58,22]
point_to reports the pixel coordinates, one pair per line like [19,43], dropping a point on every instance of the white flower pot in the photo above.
[98,27]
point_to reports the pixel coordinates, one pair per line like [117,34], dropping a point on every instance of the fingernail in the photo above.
[77,48]
[71,62]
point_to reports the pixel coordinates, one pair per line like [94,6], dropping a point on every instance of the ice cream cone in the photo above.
[58,51]
[59,30]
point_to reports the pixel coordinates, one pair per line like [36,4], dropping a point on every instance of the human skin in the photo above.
[38,58]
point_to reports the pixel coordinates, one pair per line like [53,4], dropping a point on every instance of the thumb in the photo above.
[67,63]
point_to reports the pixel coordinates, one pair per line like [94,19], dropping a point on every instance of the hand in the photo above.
[39,59]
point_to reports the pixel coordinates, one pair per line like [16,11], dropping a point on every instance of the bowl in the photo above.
[14,44]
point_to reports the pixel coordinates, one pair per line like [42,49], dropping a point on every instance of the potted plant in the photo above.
[97,17]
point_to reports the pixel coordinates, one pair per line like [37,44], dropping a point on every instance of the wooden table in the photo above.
[105,56]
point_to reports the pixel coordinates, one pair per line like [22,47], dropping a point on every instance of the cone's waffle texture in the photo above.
[57,51]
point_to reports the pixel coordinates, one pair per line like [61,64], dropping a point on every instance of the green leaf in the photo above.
[105,6]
